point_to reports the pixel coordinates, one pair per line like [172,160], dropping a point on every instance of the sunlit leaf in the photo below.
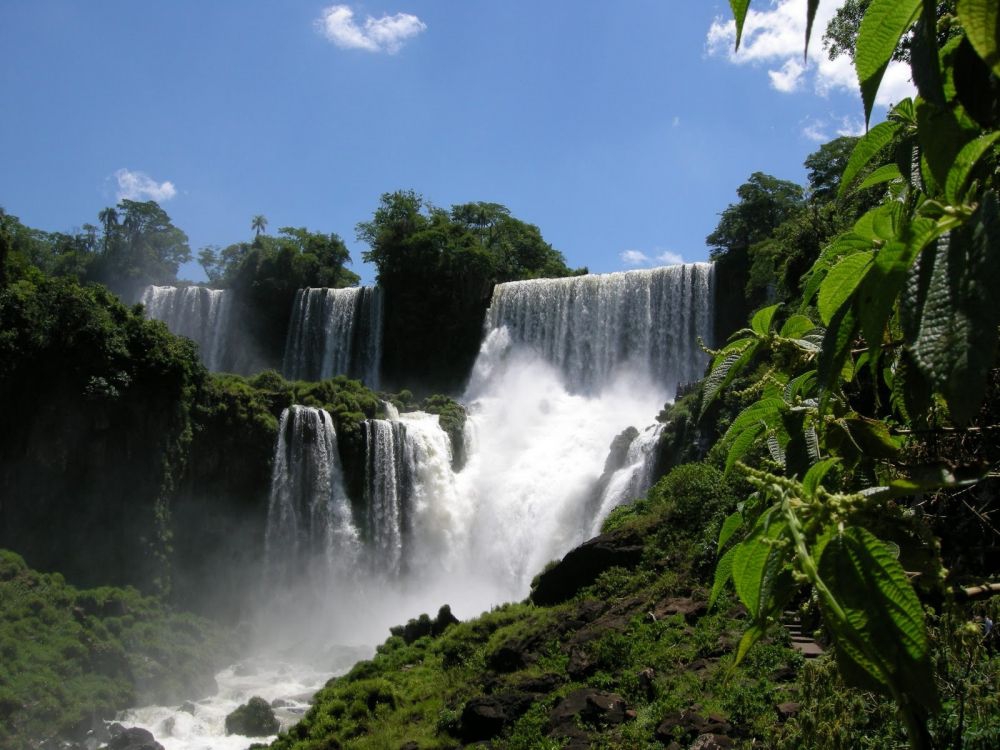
[882,27]
[723,573]
[760,323]
[841,282]
[729,527]
[814,477]
[965,162]
[740,8]
[885,173]
[981,21]
[866,149]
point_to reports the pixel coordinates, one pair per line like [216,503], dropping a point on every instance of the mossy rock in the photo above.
[255,718]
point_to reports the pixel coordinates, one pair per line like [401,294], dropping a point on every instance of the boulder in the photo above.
[424,625]
[133,738]
[485,717]
[581,566]
[587,707]
[255,718]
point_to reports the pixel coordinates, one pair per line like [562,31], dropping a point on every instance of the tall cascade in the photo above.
[309,523]
[201,314]
[594,327]
[335,332]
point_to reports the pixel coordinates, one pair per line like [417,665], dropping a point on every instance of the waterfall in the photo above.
[592,328]
[386,489]
[202,315]
[335,332]
[309,523]
[633,479]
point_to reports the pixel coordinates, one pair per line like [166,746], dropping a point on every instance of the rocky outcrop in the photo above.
[424,626]
[255,718]
[133,738]
[582,565]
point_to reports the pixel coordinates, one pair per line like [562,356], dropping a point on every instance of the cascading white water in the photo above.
[633,479]
[335,332]
[309,522]
[544,404]
[593,327]
[202,315]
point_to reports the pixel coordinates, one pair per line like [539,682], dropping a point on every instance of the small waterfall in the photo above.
[633,479]
[309,523]
[386,490]
[593,328]
[335,332]
[201,314]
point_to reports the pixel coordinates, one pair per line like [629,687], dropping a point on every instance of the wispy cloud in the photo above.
[139,186]
[773,39]
[639,259]
[820,129]
[385,34]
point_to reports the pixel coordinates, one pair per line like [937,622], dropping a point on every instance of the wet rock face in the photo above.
[582,565]
[255,718]
[133,738]
[485,717]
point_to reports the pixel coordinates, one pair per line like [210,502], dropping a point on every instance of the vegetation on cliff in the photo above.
[70,657]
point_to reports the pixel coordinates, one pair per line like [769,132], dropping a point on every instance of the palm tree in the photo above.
[109,218]
[258,224]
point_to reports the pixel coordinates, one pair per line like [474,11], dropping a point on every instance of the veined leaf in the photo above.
[799,385]
[723,573]
[881,223]
[750,637]
[872,437]
[757,563]
[760,323]
[740,8]
[840,283]
[836,351]
[775,448]
[795,326]
[942,136]
[949,319]
[965,162]
[765,410]
[865,150]
[882,27]
[885,173]
[725,370]
[981,21]
[814,477]
[742,442]
[882,624]
[729,527]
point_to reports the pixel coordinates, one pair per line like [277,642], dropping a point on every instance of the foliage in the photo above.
[71,656]
[893,336]
[110,433]
[438,269]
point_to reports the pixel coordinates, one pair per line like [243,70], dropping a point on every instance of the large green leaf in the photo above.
[885,173]
[760,323]
[964,163]
[942,136]
[836,351]
[866,149]
[840,283]
[882,27]
[723,573]
[880,622]
[740,8]
[948,314]
[729,527]
[796,326]
[741,442]
[727,366]
[981,21]
[757,563]
[814,477]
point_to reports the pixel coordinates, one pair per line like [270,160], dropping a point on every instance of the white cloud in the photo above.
[634,258]
[789,78]
[815,130]
[851,126]
[639,259]
[385,34]
[139,186]
[774,38]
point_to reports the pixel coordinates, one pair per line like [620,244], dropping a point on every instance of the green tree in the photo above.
[258,225]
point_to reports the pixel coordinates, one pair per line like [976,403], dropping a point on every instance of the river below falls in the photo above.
[201,725]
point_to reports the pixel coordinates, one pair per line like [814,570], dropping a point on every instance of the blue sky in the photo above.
[620,129]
